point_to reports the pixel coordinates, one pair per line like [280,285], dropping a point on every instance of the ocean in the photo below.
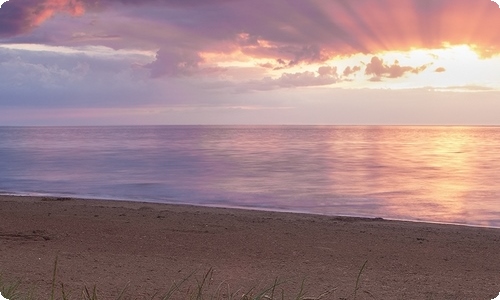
[433,173]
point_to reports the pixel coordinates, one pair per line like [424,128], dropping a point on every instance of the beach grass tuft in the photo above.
[202,289]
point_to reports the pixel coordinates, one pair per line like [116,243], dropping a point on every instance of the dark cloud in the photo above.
[174,3]
[278,64]
[307,54]
[21,16]
[175,62]
[378,69]
[178,62]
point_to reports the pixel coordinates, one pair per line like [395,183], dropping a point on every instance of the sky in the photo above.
[318,62]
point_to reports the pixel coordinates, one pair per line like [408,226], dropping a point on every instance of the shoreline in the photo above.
[249,208]
[150,245]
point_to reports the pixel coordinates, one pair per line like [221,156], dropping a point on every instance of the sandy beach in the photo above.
[146,247]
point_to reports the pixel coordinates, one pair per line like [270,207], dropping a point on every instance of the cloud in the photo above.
[178,62]
[378,69]
[325,75]
[295,31]
[464,88]
[55,79]
[309,54]
[175,62]
[20,16]
[286,34]
[348,71]
[168,53]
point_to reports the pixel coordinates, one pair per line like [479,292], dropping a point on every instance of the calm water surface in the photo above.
[438,174]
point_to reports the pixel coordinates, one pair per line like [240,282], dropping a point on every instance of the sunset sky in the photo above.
[117,62]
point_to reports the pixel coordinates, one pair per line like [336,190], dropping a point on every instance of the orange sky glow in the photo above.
[212,56]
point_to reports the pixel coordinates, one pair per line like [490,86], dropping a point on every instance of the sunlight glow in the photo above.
[452,67]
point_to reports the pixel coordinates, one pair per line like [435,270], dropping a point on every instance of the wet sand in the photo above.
[146,247]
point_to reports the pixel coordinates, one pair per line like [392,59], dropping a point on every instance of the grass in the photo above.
[203,288]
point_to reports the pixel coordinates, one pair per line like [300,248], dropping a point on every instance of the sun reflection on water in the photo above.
[438,174]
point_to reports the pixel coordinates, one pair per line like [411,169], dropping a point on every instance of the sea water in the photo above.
[434,174]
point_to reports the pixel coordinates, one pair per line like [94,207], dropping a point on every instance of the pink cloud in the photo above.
[348,71]
[20,16]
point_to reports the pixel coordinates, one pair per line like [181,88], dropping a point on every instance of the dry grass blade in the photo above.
[356,288]
[175,287]
[53,289]
[203,290]
[88,296]
[9,291]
